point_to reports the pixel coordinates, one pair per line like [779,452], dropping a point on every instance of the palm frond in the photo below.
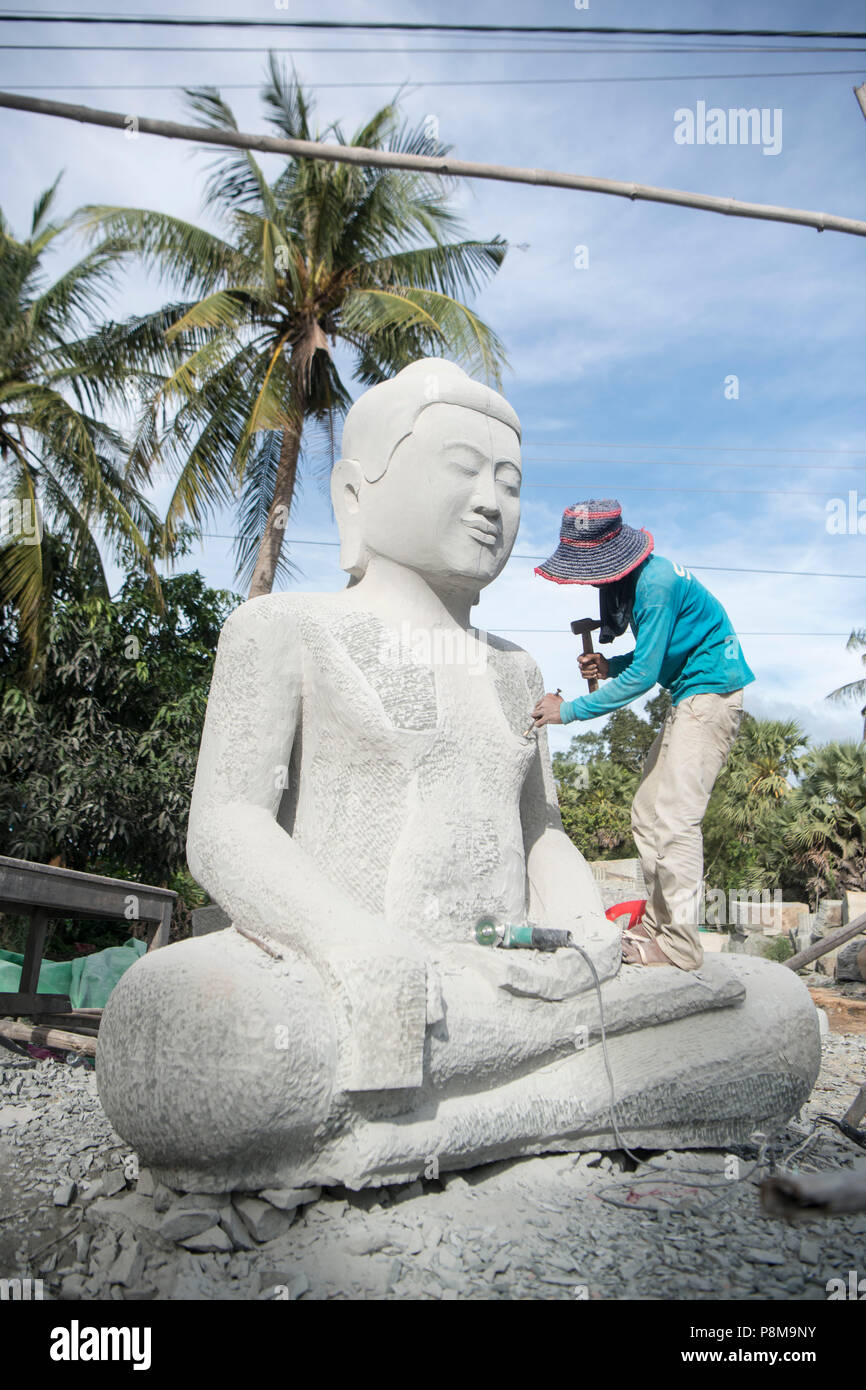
[456,268]
[21,562]
[194,260]
[288,106]
[42,207]
[235,179]
[447,325]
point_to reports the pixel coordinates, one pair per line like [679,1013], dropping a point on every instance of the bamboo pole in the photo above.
[442,166]
[48,1037]
[828,943]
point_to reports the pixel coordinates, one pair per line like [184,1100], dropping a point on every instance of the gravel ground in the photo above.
[75,1212]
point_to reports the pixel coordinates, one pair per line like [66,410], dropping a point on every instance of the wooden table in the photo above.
[41,891]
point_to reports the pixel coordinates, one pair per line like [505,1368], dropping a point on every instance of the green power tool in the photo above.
[526,937]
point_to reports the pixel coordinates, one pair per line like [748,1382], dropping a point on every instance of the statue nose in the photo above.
[485,499]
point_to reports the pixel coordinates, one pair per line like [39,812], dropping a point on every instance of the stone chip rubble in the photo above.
[79,1214]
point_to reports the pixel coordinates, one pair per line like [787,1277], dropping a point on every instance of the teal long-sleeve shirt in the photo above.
[684,641]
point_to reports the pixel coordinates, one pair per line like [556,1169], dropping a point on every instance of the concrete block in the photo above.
[764,918]
[616,891]
[792,913]
[854,905]
[828,916]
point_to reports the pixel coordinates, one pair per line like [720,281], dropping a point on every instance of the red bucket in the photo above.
[634,909]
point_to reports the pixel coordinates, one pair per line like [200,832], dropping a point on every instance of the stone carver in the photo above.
[686,643]
[365,794]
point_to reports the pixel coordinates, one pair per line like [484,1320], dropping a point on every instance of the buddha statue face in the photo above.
[448,503]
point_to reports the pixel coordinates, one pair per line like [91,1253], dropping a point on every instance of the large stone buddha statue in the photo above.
[365,794]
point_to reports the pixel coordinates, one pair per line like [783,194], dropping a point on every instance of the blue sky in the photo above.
[631,352]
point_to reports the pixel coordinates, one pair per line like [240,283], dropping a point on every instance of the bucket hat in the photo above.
[595,545]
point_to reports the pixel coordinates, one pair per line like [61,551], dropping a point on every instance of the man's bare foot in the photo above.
[646,951]
[639,930]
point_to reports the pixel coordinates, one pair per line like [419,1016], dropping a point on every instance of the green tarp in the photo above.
[88,980]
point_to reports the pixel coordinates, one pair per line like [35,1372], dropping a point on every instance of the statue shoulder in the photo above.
[513,654]
[270,615]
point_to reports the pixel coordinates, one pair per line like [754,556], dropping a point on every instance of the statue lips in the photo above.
[484,532]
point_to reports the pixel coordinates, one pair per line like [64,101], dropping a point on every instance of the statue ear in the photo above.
[347,479]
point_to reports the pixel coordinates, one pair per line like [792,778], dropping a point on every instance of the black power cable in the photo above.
[573,31]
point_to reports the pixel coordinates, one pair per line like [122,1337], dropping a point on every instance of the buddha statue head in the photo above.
[429,477]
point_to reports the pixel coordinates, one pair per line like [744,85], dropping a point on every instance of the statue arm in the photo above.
[561,890]
[266,882]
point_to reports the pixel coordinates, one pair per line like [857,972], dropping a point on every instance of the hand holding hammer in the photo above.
[592,664]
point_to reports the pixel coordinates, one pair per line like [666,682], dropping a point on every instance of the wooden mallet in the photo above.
[584,627]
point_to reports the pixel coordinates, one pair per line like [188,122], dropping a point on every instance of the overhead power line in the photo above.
[701,463]
[127,86]
[694,448]
[718,569]
[443,166]
[715,491]
[573,31]
[476,49]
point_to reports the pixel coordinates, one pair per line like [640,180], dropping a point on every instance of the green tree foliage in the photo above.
[374,260]
[744,821]
[97,762]
[599,775]
[825,829]
[596,807]
[58,458]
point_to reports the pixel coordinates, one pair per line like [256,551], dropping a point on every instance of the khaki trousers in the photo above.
[681,767]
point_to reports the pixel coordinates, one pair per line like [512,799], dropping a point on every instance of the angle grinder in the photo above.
[525,937]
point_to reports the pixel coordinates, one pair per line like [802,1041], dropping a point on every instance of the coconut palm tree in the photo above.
[323,255]
[60,462]
[854,691]
[827,830]
[763,761]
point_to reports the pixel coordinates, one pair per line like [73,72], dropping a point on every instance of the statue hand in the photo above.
[384,987]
